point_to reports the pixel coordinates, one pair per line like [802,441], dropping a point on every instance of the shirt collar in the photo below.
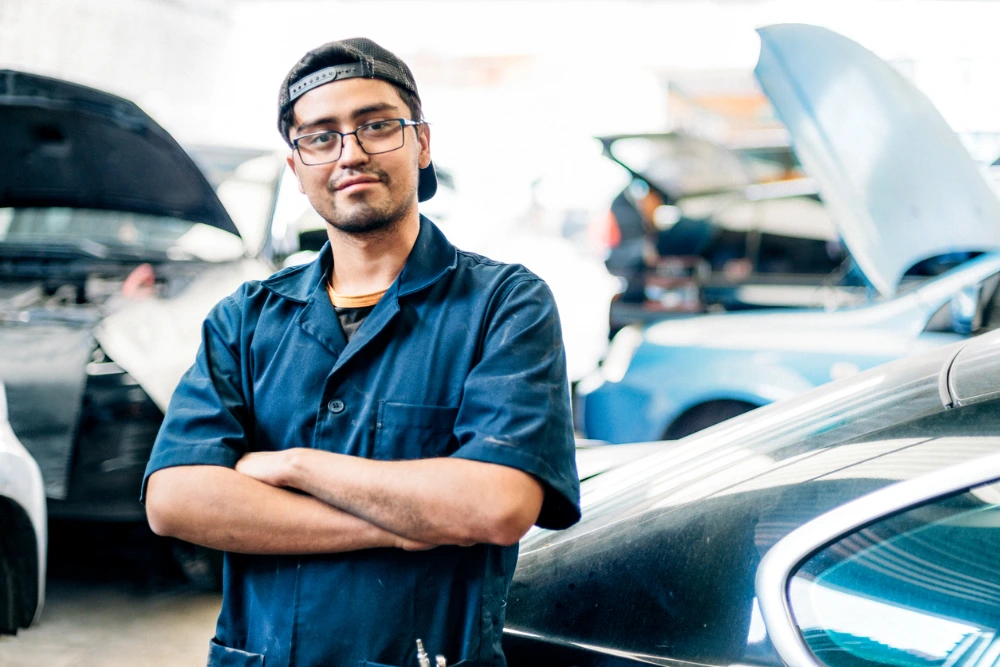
[430,259]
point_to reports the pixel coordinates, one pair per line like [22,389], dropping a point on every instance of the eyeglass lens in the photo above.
[374,138]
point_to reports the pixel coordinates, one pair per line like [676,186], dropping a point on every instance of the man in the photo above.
[367,437]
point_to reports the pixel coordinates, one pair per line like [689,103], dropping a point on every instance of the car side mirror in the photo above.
[964,309]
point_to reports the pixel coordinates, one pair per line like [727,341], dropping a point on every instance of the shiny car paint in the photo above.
[662,568]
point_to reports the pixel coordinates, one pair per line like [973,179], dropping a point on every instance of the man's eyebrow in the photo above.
[357,113]
[372,108]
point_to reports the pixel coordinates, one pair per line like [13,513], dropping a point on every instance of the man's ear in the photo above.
[290,159]
[424,137]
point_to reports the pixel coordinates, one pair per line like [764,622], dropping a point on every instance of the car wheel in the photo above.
[705,415]
[201,566]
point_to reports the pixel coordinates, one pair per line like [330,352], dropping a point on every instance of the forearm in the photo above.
[222,509]
[436,501]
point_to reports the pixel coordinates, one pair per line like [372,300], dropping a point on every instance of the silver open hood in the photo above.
[68,145]
[900,185]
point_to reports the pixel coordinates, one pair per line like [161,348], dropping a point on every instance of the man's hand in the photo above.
[407,544]
[269,467]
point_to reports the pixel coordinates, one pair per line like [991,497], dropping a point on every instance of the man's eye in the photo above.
[321,139]
[381,127]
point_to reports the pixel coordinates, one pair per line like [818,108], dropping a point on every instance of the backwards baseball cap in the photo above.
[346,59]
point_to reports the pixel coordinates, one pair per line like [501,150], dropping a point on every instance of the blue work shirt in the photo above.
[462,357]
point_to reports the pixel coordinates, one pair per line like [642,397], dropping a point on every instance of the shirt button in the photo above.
[336,406]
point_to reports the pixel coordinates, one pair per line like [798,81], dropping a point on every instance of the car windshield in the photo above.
[112,234]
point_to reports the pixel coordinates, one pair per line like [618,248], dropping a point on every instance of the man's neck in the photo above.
[369,263]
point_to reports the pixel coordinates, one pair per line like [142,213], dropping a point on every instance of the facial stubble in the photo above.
[366,215]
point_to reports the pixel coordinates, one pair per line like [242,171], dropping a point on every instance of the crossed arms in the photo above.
[304,500]
[301,501]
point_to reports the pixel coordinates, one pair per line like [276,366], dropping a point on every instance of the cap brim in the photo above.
[428,184]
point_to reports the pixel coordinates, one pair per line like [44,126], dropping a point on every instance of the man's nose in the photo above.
[351,152]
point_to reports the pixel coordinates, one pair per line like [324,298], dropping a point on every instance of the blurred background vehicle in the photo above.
[113,247]
[23,531]
[662,568]
[706,227]
[677,377]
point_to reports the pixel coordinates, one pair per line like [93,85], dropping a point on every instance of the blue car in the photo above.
[901,189]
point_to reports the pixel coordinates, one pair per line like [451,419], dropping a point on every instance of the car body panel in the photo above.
[21,483]
[762,356]
[83,148]
[154,340]
[594,458]
[661,568]
[44,369]
[885,159]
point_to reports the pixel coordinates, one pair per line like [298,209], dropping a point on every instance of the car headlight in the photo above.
[620,353]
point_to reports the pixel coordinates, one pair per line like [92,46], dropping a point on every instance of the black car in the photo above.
[857,524]
[113,247]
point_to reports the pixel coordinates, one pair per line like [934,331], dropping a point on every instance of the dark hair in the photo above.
[313,62]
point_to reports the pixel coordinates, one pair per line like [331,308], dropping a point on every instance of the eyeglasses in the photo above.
[325,147]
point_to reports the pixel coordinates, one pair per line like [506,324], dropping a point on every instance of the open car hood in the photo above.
[676,164]
[69,145]
[899,184]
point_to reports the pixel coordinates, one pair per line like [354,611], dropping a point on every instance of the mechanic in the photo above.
[368,436]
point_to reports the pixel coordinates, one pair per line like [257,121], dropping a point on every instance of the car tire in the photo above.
[705,415]
[201,566]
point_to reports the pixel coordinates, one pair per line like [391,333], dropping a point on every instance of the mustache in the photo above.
[332,186]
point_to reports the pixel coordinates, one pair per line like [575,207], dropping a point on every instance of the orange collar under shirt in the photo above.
[352,310]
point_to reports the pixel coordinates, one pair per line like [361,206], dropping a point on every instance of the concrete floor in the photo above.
[114,599]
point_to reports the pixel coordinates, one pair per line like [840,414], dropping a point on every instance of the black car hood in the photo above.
[69,145]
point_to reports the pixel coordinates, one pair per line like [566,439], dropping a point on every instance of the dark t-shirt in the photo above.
[351,319]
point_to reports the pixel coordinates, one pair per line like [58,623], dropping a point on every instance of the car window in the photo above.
[917,589]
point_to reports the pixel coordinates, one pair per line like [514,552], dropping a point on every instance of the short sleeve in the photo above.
[515,407]
[206,419]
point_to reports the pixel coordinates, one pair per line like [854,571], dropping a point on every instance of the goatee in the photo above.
[364,217]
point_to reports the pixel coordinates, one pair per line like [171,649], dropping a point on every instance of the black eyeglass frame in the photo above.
[404,123]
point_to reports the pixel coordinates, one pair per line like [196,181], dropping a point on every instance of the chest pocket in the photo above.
[404,431]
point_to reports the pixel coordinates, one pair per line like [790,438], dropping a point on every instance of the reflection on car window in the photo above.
[920,588]
[117,230]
